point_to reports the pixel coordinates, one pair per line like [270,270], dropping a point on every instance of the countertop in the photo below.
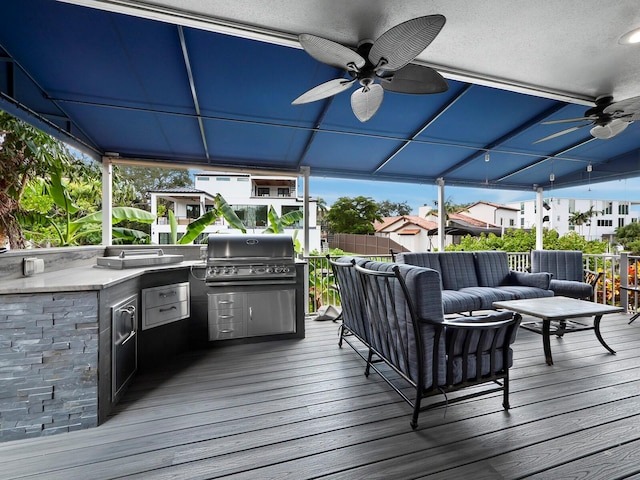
[88,277]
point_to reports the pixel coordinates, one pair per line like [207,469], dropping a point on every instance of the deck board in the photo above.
[303,409]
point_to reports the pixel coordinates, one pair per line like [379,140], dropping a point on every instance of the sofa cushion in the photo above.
[488,295]
[563,264]
[522,291]
[567,288]
[454,301]
[539,280]
[458,270]
[492,268]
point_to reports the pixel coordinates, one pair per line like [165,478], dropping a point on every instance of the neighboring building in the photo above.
[250,197]
[494,214]
[410,231]
[607,216]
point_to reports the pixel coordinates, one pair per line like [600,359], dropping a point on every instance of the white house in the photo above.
[410,231]
[250,197]
[607,215]
[494,214]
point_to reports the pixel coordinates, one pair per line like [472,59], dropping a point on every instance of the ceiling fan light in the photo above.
[630,38]
[613,128]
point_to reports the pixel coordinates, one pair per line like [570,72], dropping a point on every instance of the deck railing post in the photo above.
[624,280]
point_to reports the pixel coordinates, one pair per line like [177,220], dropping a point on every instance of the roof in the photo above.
[210,84]
[400,222]
[494,205]
[461,218]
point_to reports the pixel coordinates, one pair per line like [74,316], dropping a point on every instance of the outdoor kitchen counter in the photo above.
[84,278]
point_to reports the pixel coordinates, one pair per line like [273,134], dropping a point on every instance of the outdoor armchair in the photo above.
[569,277]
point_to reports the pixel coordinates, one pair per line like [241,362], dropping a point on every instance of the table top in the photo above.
[556,308]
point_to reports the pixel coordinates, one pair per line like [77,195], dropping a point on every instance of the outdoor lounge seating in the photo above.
[408,332]
[569,277]
[472,281]
[354,322]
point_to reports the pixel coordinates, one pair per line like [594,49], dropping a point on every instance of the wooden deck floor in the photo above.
[303,409]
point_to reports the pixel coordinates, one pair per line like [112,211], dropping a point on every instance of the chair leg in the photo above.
[340,334]
[633,318]
[367,370]
[505,393]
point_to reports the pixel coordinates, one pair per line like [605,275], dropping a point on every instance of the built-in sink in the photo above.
[139,258]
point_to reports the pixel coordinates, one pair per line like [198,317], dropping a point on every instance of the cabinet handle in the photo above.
[172,307]
[225,302]
[225,316]
[168,294]
[228,330]
[251,314]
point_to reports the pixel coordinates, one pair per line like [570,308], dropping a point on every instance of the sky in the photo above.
[416,195]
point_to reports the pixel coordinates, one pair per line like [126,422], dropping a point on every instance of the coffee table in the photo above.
[559,309]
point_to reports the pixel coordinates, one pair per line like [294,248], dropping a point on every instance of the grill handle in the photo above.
[155,251]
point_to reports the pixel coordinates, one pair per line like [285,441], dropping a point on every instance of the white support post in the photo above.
[306,171]
[442,221]
[107,201]
[539,216]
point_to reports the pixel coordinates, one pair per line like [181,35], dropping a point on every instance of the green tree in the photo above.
[353,215]
[145,179]
[26,153]
[392,209]
[629,237]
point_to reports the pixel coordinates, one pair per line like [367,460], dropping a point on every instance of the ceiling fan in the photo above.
[608,118]
[386,61]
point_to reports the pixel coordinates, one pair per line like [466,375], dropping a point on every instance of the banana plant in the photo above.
[71,230]
[221,209]
[277,224]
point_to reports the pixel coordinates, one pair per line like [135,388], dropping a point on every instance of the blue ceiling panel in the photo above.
[235,78]
[145,134]
[483,114]
[424,159]
[264,146]
[334,152]
[98,57]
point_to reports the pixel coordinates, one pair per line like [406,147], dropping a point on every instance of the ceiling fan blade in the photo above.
[366,101]
[402,43]
[324,90]
[567,120]
[329,52]
[562,132]
[415,79]
[610,130]
[628,109]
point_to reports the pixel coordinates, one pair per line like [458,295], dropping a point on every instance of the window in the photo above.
[621,222]
[512,222]
[263,191]
[572,206]
[283,192]
[623,209]
[193,211]
[522,207]
[605,223]
[608,208]
[522,223]
[223,179]
[251,215]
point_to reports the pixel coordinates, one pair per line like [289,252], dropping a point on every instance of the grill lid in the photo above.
[229,249]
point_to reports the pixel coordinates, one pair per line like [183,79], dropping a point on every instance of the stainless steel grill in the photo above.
[250,258]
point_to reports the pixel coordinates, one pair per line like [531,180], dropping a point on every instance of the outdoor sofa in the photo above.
[472,281]
[396,311]
[569,278]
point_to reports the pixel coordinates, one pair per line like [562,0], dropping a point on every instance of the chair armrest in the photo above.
[592,277]
[538,280]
